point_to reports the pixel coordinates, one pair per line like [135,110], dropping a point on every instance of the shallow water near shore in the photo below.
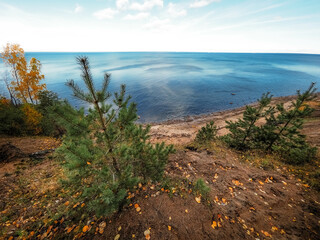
[174,85]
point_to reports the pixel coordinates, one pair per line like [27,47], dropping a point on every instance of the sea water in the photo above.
[175,85]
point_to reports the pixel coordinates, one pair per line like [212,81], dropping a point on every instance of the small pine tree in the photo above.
[281,132]
[243,131]
[207,133]
[106,154]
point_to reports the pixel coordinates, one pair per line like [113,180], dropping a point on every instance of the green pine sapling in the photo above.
[243,131]
[282,130]
[207,133]
[105,153]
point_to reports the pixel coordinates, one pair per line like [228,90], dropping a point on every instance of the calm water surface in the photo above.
[174,85]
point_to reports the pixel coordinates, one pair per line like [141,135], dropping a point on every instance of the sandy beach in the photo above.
[183,131]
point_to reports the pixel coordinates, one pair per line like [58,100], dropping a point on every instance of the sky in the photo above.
[162,25]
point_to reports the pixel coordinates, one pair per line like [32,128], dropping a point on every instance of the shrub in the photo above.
[105,153]
[32,119]
[48,101]
[242,132]
[207,133]
[281,131]
[11,119]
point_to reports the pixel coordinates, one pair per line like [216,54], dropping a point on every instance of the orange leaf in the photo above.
[261,183]
[214,224]
[66,203]
[85,228]
[169,228]
[266,233]
[89,163]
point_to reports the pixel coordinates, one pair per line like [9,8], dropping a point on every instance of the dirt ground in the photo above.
[244,202]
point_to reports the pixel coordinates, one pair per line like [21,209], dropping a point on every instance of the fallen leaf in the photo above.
[89,163]
[102,225]
[214,224]
[138,209]
[198,199]
[117,237]
[261,182]
[147,234]
[66,203]
[237,183]
[85,228]
[186,210]
[266,233]
[224,200]
[76,205]
[274,228]
[169,228]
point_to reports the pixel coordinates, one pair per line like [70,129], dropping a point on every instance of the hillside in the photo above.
[252,195]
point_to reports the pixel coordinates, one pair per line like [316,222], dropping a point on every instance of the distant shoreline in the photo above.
[183,131]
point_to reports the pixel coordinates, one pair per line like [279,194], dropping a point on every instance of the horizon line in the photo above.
[316,53]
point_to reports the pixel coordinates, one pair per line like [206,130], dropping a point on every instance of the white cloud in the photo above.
[176,12]
[122,4]
[202,3]
[78,9]
[106,13]
[146,5]
[138,16]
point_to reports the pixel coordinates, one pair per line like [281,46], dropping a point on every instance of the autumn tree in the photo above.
[26,77]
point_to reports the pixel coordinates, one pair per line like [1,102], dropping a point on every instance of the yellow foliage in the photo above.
[27,77]
[33,118]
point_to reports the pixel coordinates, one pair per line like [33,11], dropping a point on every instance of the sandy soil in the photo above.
[180,132]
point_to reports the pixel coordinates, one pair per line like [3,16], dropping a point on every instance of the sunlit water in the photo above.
[174,85]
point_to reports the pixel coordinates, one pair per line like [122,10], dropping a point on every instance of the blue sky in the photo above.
[162,25]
